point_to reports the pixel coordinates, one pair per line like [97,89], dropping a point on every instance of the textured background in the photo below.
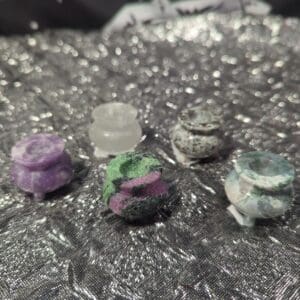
[69,246]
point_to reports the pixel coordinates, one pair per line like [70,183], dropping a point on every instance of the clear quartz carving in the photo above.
[115,129]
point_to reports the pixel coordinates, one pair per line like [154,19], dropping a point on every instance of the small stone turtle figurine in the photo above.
[196,136]
[260,186]
[134,187]
[115,129]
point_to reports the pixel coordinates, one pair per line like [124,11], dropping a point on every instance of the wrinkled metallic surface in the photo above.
[69,247]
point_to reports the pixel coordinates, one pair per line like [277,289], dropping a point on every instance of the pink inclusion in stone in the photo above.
[138,189]
[118,202]
[155,189]
[40,164]
[140,181]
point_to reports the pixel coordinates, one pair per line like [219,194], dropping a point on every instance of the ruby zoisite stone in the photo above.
[134,187]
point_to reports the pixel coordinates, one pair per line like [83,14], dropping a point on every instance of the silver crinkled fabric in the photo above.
[69,246]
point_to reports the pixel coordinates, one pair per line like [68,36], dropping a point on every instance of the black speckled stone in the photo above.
[194,144]
[198,119]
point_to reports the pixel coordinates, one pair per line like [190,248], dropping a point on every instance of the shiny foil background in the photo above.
[69,246]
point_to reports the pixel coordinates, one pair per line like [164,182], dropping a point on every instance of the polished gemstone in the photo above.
[195,145]
[38,150]
[40,164]
[196,135]
[199,119]
[265,170]
[115,129]
[260,186]
[134,187]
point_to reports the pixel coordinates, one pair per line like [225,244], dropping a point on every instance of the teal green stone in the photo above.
[265,170]
[261,185]
[254,202]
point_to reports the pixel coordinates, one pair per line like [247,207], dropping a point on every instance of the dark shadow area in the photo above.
[286,7]
[25,16]
[80,173]
[170,207]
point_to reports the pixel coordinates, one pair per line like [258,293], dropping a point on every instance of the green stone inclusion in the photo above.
[127,166]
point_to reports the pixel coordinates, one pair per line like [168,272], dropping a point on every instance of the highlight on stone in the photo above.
[134,187]
[40,164]
[115,129]
[196,136]
[259,187]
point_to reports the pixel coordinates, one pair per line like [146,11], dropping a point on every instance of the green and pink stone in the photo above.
[134,187]
[40,164]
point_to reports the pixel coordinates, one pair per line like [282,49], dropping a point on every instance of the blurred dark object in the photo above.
[286,7]
[21,16]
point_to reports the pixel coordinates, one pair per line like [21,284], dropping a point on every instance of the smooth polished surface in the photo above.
[260,186]
[265,170]
[196,135]
[69,247]
[40,164]
[115,129]
[38,151]
[198,119]
[195,145]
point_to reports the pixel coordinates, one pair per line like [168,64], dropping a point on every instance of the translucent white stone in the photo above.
[115,129]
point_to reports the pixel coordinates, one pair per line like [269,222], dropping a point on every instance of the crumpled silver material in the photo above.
[69,246]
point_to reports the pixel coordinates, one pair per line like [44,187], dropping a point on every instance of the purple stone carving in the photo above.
[40,164]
